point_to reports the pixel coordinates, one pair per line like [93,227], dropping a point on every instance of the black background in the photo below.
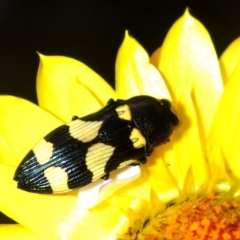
[92,31]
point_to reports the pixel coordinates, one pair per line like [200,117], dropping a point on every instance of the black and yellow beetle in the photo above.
[73,155]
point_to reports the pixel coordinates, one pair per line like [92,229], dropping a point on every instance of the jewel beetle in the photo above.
[73,155]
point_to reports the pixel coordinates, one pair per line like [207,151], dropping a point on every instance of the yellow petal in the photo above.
[17,232]
[156,205]
[22,125]
[156,56]
[67,87]
[161,175]
[189,64]
[223,143]
[229,59]
[139,188]
[135,195]
[188,148]
[135,75]
[187,152]
[55,216]
[112,219]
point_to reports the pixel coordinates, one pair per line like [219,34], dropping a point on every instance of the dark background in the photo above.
[92,31]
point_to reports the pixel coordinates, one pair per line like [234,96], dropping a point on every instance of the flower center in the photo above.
[213,217]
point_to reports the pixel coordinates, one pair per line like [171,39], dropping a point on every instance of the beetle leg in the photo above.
[121,101]
[166,141]
[142,160]
[147,150]
[75,118]
[105,177]
[110,101]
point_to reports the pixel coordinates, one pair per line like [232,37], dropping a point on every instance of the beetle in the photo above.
[73,155]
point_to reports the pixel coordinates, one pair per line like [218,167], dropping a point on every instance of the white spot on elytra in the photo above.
[97,157]
[57,179]
[124,112]
[84,131]
[43,151]
[137,138]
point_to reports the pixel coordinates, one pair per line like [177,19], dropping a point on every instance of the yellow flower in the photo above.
[66,88]
[200,159]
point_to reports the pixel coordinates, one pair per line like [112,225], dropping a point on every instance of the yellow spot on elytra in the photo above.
[84,131]
[43,151]
[137,138]
[97,157]
[124,112]
[57,179]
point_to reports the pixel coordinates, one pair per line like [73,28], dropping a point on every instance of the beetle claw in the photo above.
[105,177]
